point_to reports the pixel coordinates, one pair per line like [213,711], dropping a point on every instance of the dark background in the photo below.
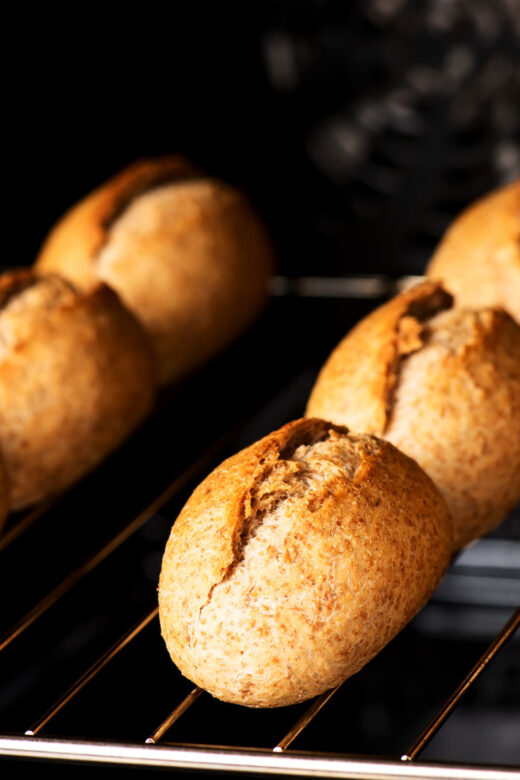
[360,129]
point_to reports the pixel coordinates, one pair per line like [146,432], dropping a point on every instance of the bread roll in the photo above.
[76,377]
[186,253]
[479,257]
[296,561]
[443,385]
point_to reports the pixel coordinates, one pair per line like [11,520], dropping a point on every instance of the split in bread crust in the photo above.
[357,382]
[443,385]
[296,561]
[186,254]
[75,242]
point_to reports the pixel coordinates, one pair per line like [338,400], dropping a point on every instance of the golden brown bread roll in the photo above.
[479,257]
[76,377]
[296,561]
[443,385]
[186,253]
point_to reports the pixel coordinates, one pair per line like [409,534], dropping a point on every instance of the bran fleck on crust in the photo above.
[186,253]
[479,257]
[296,561]
[444,387]
[76,377]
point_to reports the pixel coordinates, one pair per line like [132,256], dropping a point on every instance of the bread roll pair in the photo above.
[479,257]
[76,377]
[296,561]
[443,385]
[186,254]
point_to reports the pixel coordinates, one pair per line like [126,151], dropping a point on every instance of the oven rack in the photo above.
[153,750]
[190,756]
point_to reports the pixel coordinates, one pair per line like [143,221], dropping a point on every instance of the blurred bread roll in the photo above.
[296,561]
[186,254]
[443,385]
[76,377]
[478,259]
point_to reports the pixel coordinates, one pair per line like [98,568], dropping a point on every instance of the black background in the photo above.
[86,94]
[86,91]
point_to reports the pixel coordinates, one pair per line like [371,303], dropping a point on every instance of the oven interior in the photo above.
[134,499]
[360,131]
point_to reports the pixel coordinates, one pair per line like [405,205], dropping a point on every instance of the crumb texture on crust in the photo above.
[452,402]
[76,377]
[296,561]
[479,257]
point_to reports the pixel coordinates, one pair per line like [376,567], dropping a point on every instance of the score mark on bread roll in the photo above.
[296,561]
[445,390]
[186,253]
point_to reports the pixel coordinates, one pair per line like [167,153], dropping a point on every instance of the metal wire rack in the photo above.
[29,733]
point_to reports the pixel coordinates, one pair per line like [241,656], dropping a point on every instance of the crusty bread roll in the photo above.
[76,376]
[296,561]
[186,253]
[478,259]
[443,385]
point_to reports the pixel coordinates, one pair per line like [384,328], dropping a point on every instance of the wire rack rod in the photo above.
[243,761]
[24,523]
[433,726]
[174,716]
[305,719]
[87,566]
[89,675]
[371,286]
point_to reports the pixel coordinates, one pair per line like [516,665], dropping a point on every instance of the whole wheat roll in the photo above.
[443,385]
[76,377]
[478,259]
[186,253]
[296,561]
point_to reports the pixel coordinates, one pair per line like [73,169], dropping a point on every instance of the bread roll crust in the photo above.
[444,387]
[479,257]
[296,561]
[356,384]
[186,253]
[72,246]
[76,377]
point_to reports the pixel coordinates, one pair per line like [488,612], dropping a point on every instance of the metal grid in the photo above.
[150,752]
